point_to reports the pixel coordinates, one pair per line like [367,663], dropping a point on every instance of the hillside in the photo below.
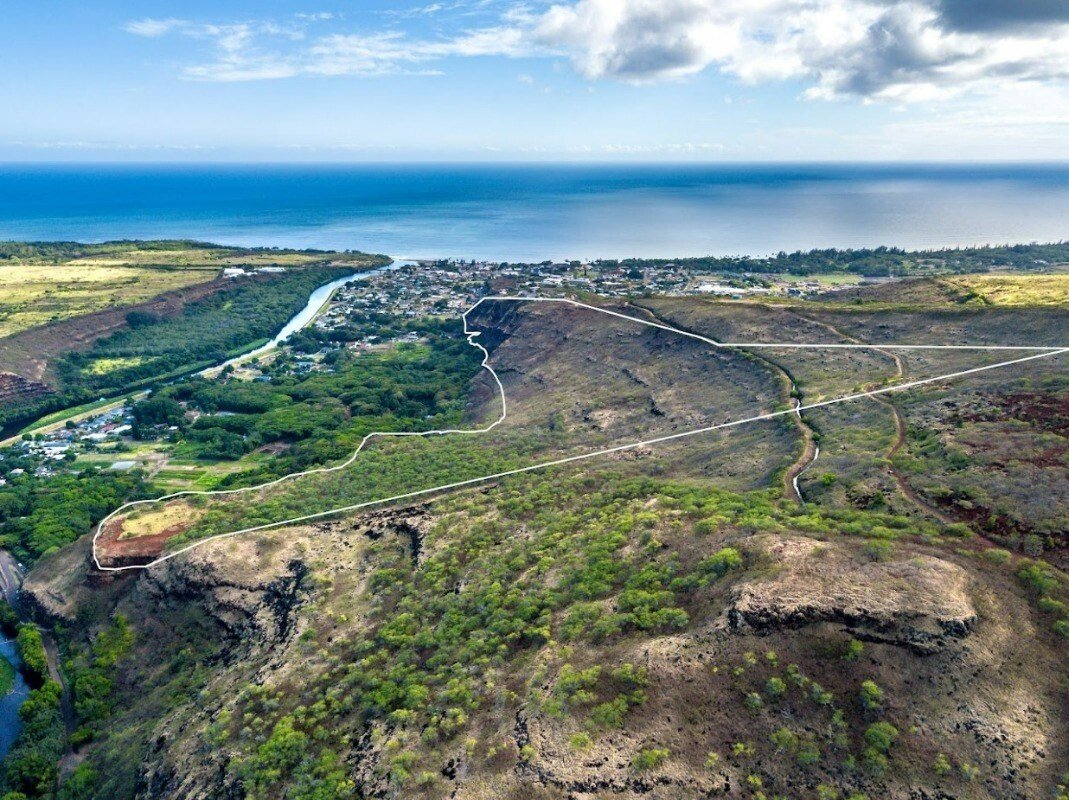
[669,622]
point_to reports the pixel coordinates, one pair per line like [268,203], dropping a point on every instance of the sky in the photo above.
[575,80]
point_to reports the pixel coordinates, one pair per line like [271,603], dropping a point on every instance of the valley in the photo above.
[726,613]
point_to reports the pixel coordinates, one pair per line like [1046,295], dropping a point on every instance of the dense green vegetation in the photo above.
[877,262]
[7,676]
[60,252]
[32,652]
[31,765]
[184,250]
[320,416]
[90,673]
[596,567]
[41,514]
[206,331]
[150,347]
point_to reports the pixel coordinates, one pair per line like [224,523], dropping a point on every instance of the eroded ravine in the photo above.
[794,396]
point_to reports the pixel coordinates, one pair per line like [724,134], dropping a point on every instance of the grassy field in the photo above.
[37,294]
[156,520]
[165,252]
[970,291]
[48,282]
[1016,290]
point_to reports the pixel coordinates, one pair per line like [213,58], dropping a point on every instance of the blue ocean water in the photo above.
[535,212]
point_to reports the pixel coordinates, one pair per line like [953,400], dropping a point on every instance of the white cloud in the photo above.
[877,50]
[874,49]
[153,28]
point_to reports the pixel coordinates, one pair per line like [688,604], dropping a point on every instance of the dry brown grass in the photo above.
[37,294]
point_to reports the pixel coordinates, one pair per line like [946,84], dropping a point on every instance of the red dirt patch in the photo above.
[1049,412]
[136,550]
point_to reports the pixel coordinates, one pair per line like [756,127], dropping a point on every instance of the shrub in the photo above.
[853,650]
[877,549]
[81,785]
[574,686]
[610,714]
[942,765]
[630,674]
[721,563]
[820,695]
[775,687]
[808,753]
[881,735]
[580,741]
[743,749]
[1037,576]
[958,530]
[9,620]
[785,740]
[32,652]
[871,695]
[874,762]
[649,758]
[1051,606]
[998,555]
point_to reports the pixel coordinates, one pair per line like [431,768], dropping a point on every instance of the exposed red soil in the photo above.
[113,551]
[1049,412]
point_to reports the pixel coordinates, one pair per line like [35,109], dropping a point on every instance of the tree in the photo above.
[881,735]
[871,695]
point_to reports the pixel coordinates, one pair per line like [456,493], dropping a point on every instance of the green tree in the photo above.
[871,695]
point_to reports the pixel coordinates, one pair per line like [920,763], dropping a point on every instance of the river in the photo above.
[10,579]
[10,724]
[304,317]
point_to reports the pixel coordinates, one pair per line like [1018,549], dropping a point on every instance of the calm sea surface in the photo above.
[537,212]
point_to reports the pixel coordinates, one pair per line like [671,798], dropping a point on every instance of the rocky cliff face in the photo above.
[923,603]
[949,639]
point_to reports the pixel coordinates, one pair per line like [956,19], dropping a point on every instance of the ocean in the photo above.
[536,212]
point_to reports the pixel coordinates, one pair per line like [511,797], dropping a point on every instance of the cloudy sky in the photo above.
[647,80]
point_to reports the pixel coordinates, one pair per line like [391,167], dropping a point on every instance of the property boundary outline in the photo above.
[1039,352]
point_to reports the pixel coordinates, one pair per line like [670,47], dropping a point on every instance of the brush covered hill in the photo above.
[666,623]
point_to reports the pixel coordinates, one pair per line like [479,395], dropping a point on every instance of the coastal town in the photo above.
[429,288]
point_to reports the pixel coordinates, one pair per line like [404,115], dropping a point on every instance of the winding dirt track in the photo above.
[899,421]
[794,396]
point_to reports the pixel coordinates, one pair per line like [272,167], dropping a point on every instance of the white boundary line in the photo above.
[1044,352]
